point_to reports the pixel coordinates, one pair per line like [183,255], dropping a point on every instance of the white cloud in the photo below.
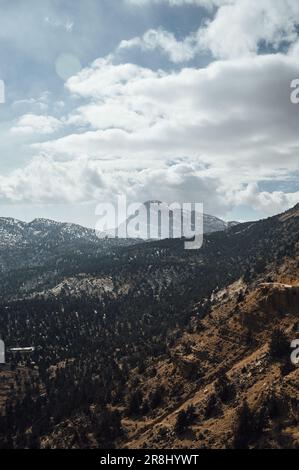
[36,124]
[146,127]
[214,134]
[177,51]
[103,78]
[45,180]
[268,202]
[237,29]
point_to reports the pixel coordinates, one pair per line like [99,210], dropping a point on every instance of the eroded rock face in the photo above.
[188,367]
[280,298]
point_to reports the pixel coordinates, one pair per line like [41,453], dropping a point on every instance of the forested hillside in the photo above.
[150,344]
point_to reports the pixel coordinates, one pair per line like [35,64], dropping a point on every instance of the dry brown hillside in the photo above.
[222,362]
[196,397]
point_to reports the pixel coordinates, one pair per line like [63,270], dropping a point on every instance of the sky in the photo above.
[171,100]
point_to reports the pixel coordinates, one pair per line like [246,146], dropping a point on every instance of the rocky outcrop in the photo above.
[280,298]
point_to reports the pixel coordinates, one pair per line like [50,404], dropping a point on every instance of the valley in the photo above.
[148,345]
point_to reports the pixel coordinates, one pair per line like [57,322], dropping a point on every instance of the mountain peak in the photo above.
[46,222]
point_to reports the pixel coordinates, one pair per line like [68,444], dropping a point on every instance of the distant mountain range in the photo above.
[156,220]
[42,244]
[39,255]
[15,233]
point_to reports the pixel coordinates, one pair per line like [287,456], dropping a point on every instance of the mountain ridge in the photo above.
[152,346]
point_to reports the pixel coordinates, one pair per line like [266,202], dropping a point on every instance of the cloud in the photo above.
[238,28]
[197,112]
[177,51]
[40,104]
[36,124]
[48,181]
[144,127]
[45,180]
[104,78]
[218,134]
[268,202]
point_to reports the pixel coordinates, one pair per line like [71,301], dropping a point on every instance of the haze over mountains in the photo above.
[15,233]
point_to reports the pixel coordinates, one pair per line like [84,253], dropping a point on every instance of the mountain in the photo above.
[153,346]
[14,233]
[157,220]
[36,255]
[36,249]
